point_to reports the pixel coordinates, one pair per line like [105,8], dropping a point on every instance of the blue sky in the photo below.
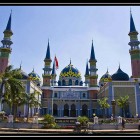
[70,30]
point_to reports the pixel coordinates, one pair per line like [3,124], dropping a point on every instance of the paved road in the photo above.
[67,132]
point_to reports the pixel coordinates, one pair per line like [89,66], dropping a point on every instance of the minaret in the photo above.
[47,68]
[87,75]
[53,75]
[134,50]
[93,76]
[5,49]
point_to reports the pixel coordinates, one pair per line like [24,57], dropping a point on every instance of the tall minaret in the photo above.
[53,75]
[47,68]
[87,75]
[5,49]
[93,76]
[134,50]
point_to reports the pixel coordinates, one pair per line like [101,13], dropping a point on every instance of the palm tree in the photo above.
[14,90]
[14,95]
[103,104]
[32,101]
[123,103]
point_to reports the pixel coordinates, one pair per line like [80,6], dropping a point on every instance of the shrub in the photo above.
[82,119]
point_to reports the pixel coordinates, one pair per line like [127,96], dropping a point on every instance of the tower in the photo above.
[134,50]
[87,75]
[93,76]
[53,75]
[47,68]
[5,49]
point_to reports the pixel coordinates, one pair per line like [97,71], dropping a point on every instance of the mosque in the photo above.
[72,97]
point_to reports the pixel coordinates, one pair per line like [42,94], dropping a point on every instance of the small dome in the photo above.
[34,76]
[24,75]
[70,71]
[106,77]
[120,76]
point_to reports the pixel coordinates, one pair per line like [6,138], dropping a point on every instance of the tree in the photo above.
[12,90]
[103,104]
[49,121]
[32,101]
[82,119]
[122,102]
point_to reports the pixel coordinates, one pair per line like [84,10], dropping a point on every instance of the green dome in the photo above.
[106,77]
[34,77]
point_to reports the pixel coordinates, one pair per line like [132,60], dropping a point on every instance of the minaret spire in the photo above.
[87,70]
[87,74]
[8,27]
[134,50]
[48,51]
[53,75]
[20,65]
[47,67]
[132,25]
[53,70]
[33,69]
[93,69]
[92,55]
[5,49]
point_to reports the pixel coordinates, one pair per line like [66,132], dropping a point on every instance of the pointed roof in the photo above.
[132,25]
[92,55]
[8,27]
[53,70]
[87,70]
[48,52]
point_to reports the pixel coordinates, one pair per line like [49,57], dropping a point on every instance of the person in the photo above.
[19,113]
[123,123]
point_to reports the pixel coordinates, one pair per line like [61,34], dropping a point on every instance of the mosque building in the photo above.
[71,96]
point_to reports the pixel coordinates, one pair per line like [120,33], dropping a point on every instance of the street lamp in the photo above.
[113,103]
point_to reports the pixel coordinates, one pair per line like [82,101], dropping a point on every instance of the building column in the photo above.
[69,112]
[89,113]
[79,108]
[91,110]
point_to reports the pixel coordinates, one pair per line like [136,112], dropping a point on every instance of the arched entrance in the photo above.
[66,110]
[55,109]
[73,110]
[84,110]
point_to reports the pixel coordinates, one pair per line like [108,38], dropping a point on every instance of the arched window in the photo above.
[63,82]
[70,82]
[84,110]
[55,95]
[59,83]
[84,95]
[73,111]
[66,110]
[76,82]
[81,83]
[55,113]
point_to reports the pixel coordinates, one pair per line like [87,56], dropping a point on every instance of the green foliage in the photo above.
[14,91]
[49,119]
[123,101]
[82,119]
[49,122]
[103,103]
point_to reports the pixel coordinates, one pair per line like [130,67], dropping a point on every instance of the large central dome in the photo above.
[70,76]
[70,71]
